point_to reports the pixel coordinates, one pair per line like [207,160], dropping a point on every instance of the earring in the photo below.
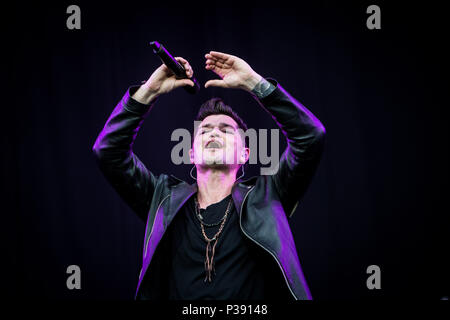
[190,172]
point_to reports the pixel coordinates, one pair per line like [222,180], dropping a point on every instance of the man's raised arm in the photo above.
[113,146]
[303,131]
[305,136]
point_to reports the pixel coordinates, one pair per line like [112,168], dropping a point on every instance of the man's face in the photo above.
[218,142]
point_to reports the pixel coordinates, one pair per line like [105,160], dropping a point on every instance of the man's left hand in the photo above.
[234,72]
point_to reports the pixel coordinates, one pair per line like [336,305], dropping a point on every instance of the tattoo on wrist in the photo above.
[263,88]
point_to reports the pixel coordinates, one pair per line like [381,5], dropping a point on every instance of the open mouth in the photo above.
[213,145]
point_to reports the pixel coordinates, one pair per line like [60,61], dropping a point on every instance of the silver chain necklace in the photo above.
[200,217]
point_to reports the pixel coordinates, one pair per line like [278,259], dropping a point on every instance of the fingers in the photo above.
[209,67]
[212,58]
[186,65]
[215,59]
[210,64]
[220,55]
[216,63]
[183,82]
[215,83]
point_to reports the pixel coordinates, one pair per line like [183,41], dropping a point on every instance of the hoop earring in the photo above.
[190,173]
[242,167]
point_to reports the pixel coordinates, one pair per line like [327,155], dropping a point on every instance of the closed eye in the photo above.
[224,127]
[227,130]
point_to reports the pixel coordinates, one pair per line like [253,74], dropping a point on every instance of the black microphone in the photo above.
[177,68]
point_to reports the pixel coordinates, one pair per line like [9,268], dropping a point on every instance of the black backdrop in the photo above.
[379,195]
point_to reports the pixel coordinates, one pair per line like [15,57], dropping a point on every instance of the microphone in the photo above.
[176,67]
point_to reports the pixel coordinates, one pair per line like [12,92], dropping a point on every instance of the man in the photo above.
[220,237]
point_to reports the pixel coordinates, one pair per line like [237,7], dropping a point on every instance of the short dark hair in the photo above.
[217,106]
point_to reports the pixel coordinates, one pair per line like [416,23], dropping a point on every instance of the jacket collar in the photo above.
[239,190]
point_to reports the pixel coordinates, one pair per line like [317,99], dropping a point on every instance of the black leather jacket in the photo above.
[264,203]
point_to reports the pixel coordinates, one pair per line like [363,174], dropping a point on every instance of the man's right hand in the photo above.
[163,80]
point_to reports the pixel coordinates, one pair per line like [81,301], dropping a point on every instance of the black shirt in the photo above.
[239,268]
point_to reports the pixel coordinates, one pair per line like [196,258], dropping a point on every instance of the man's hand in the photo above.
[234,72]
[163,80]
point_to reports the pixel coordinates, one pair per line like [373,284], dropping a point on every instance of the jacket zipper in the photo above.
[240,223]
[151,231]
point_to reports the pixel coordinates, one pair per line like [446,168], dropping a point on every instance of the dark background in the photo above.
[380,195]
